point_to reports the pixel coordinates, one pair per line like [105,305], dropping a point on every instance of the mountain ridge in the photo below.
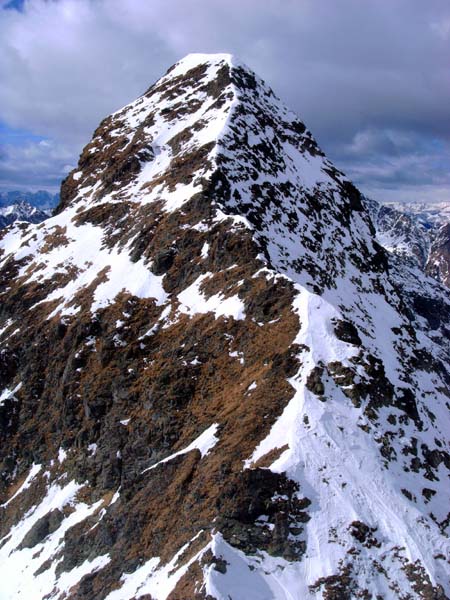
[244,378]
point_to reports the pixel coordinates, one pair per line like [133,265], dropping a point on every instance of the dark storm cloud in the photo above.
[370,79]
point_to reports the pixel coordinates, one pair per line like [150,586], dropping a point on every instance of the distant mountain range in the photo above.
[435,213]
[42,199]
[21,211]
[417,232]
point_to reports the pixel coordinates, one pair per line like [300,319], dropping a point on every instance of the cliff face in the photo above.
[214,381]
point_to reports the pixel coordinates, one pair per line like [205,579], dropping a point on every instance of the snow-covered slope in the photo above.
[215,381]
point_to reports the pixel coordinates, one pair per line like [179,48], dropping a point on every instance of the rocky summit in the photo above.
[214,381]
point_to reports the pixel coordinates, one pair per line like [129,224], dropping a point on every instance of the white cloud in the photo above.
[35,165]
[442,28]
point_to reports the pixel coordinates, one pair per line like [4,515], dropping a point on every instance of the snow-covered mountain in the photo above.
[434,213]
[21,211]
[215,382]
[401,232]
[416,234]
[43,200]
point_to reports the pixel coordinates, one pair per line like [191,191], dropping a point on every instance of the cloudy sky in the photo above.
[370,78]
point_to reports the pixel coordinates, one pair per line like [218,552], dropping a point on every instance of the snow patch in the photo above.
[35,469]
[205,442]
[7,393]
[156,582]
[192,301]
[18,566]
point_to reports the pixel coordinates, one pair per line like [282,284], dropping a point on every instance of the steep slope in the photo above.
[214,382]
[21,211]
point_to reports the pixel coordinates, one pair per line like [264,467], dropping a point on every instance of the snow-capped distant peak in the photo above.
[21,211]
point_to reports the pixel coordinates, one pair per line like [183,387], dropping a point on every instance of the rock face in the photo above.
[21,211]
[215,383]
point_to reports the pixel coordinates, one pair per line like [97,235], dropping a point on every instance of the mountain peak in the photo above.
[194,59]
[186,108]
[211,127]
[214,381]
[186,112]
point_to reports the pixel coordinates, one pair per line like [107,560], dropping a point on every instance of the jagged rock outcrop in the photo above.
[215,383]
